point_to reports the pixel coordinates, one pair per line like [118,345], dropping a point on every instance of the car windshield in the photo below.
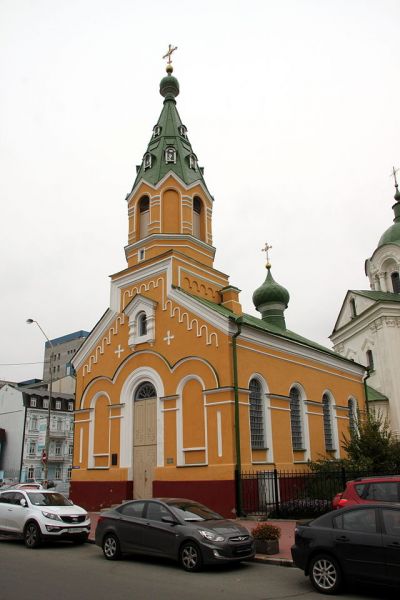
[192,511]
[48,499]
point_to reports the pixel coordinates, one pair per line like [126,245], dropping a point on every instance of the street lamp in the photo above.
[45,456]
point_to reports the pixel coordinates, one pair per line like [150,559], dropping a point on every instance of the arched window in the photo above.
[156,130]
[192,161]
[145,390]
[370,360]
[183,131]
[256,415]
[395,282]
[353,415]
[170,155]
[197,206]
[296,419]
[142,323]
[144,216]
[328,422]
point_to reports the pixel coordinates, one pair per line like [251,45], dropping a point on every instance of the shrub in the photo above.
[265,531]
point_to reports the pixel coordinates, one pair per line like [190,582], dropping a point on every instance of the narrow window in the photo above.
[32,448]
[46,403]
[396,283]
[170,155]
[33,402]
[370,360]
[31,473]
[183,131]
[34,424]
[58,404]
[353,307]
[156,130]
[58,473]
[192,161]
[353,417]
[70,406]
[58,449]
[256,415]
[296,420]
[144,216]
[147,160]
[196,217]
[141,254]
[328,428]
[142,324]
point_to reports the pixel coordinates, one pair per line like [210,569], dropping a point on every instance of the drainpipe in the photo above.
[238,466]
[367,376]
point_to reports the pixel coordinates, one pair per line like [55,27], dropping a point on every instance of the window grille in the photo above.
[256,415]
[328,430]
[145,390]
[295,419]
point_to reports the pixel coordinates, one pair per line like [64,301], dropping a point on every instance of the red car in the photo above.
[364,490]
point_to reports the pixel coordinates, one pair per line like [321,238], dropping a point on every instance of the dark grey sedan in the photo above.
[176,528]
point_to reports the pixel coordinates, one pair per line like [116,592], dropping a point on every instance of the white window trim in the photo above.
[141,304]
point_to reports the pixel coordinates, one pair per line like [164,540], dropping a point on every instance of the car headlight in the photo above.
[210,535]
[51,516]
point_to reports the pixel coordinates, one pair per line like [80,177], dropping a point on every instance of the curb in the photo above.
[278,562]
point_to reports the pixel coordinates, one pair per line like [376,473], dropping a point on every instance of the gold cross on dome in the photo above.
[169,53]
[393,174]
[266,249]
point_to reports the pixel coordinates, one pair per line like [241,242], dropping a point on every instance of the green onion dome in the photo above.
[270,292]
[169,85]
[392,235]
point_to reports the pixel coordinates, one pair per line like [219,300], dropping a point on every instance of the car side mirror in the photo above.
[169,520]
[23,502]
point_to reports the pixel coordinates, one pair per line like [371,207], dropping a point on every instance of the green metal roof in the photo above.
[168,133]
[374,396]
[392,235]
[378,296]
[260,324]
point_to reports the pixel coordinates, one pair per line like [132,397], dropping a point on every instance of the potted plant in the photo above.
[266,537]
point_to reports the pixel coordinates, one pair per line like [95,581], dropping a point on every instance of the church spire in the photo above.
[169,148]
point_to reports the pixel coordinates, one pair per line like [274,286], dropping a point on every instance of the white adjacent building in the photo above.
[368,326]
[23,419]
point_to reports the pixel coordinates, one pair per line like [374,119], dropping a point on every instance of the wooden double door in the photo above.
[144,446]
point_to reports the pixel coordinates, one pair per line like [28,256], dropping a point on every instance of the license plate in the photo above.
[76,530]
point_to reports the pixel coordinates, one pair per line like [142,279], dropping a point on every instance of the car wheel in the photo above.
[325,574]
[32,535]
[190,557]
[111,547]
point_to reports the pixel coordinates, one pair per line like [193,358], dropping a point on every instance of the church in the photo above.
[367,328]
[178,390]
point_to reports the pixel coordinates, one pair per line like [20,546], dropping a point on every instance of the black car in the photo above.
[176,528]
[361,542]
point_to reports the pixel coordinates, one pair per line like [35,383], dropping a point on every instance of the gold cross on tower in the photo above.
[393,174]
[266,249]
[169,53]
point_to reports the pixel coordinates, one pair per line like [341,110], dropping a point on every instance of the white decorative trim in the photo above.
[219,434]
[135,378]
[179,419]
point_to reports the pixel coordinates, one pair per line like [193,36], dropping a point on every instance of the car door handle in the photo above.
[342,538]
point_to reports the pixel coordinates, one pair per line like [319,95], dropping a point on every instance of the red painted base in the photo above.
[94,495]
[218,495]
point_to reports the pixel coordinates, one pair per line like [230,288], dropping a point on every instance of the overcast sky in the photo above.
[292,107]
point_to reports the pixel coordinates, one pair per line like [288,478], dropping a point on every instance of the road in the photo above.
[67,572]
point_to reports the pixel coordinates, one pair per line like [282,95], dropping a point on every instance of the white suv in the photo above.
[38,515]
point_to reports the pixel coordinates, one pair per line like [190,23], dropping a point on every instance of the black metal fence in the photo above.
[285,494]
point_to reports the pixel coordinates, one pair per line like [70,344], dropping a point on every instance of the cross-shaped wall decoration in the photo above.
[119,350]
[168,337]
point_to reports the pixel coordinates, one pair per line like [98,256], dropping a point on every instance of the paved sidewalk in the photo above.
[283,558]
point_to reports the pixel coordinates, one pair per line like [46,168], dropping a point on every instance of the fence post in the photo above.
[276,493]
[343,477]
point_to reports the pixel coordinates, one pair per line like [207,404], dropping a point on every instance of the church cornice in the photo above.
[384,312]
[170,237]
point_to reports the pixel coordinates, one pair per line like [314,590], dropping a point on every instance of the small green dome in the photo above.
[392,235]
[169,87]
[270,292]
